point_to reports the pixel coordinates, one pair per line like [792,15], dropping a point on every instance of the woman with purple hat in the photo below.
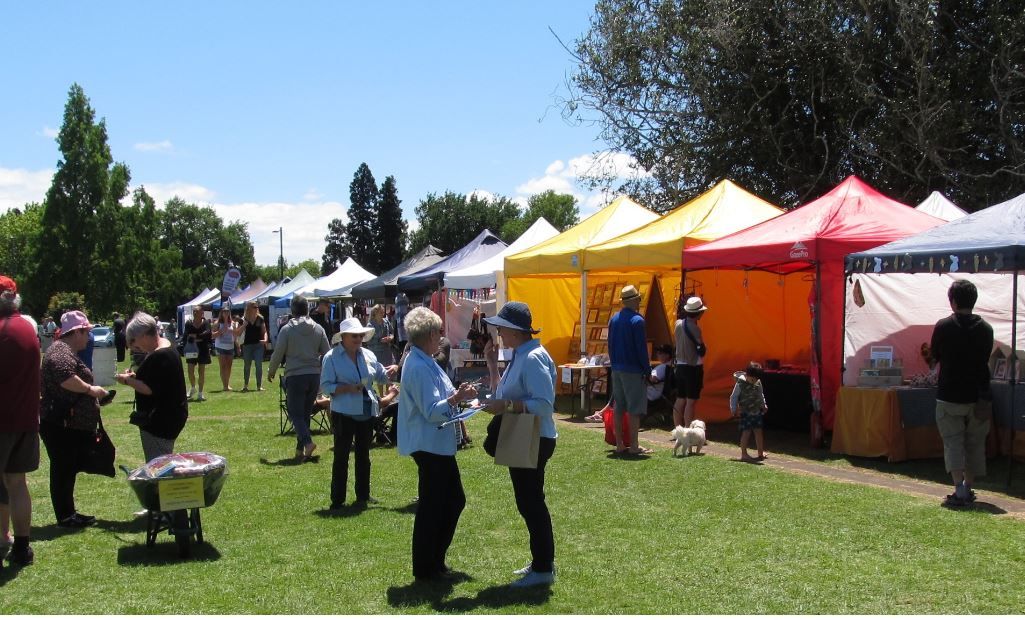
[69,414]
[527,387]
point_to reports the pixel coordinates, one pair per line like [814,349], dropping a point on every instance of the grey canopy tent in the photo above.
[988,241]
[484,246]
[384,286]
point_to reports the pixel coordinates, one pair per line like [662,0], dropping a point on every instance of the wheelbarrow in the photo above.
[172,488]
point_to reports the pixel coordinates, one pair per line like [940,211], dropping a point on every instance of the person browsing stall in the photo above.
[427,400]
[348,375]
[628,354]
[159,383]
[527,387]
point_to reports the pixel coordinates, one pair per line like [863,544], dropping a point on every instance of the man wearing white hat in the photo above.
[628,353]
[690,357]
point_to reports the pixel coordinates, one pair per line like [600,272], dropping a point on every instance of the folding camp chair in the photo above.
[319,419]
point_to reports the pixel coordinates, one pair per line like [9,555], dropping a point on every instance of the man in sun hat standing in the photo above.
[19,420]
[628,352]
[690,359]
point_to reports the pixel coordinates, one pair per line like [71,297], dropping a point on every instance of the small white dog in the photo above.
[689,438]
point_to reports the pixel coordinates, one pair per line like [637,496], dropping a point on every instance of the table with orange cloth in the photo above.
[869,423]
[899,423]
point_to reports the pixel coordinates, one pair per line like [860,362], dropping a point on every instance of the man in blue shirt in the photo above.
[628,352]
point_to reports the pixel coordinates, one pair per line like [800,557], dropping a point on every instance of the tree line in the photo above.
[93,245]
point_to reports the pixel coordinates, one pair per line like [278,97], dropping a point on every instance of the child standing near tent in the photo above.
[748,400]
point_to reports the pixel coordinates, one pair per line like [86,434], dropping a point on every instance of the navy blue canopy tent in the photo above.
[384,286]
[988,241]
[484,246]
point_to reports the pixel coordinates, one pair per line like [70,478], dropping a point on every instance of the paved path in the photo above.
[990,501]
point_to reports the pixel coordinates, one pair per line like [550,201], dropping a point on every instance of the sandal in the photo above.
[953,501]
[639,451]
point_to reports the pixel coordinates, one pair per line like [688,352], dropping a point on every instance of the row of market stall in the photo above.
[776,282]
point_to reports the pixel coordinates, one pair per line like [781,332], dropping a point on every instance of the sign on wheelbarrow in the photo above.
[180,493]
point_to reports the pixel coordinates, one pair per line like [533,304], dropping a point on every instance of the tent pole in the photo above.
[583,333]
[1012,369]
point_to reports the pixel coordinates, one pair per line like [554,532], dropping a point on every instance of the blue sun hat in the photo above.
[513,315]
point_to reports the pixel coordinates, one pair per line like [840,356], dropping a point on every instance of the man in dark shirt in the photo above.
[19,420]
[322,316]
[961,344]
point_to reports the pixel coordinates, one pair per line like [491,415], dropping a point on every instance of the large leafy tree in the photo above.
[788,98]
[79,220]
[337,249]
[270,273]
[207,246]
[452,220]
[559,209]
[19,232]
[391,229]
[363,216]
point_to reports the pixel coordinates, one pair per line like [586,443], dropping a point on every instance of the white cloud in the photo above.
[312,195]
[19,186]
[189,192]
[48,132]
[164,146]
[567,178]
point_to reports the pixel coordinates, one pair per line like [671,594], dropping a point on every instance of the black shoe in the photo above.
[368,501]
[336,507]
[22,557]
[77,521]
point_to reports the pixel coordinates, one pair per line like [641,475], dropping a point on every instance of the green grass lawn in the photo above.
[653,536]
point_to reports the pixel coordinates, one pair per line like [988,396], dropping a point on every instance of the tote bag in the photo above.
[518,441]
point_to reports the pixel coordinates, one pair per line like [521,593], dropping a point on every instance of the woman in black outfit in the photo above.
[159,386]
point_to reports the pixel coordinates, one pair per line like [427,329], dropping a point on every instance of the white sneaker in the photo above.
[534,579]
[201,397]
[522,571]
[192,392]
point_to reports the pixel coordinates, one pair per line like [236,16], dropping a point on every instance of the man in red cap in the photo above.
[19,419]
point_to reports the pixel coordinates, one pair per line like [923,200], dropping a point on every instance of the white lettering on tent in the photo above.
[799,250]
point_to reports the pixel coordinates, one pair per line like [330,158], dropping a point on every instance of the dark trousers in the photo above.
[348,430]
[64,446]
[529,488]
[437,513]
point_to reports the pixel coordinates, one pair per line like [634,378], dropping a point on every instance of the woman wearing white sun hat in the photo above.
[690,358]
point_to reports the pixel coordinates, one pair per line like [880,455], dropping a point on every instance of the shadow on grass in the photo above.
[419,593]
[164,553]
[496,597]
[796,444]
[54,531]
[408,509]
[346,511]
[979,507]
[289,462]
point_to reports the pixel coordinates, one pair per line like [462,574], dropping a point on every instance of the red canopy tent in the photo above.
[813,239]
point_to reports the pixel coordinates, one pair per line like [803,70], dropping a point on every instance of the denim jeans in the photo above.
[253,353]
[300,393]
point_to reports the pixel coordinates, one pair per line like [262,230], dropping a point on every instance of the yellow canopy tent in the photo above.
[655,250]
[550,276]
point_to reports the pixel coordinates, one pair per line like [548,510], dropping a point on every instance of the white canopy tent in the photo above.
[209,295]
[338,283]
[937,205]
[285,288]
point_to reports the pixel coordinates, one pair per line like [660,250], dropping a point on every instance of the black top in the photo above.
[254,332]
[200,334]
[119,332]
[962,343]
[321,319]
[162,373]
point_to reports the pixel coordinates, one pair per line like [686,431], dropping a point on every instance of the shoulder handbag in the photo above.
[98,455]
[698,346]
[491,441]
[191,350]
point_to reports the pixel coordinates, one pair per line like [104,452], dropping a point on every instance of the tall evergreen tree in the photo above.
[76,253]
[363,203]
[337,248]
[391,229]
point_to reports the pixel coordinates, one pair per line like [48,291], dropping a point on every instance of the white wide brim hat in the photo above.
[352,326]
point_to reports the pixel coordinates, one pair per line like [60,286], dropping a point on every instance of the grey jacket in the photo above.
[301,343]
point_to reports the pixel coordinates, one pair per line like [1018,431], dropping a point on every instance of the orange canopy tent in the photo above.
[803,253]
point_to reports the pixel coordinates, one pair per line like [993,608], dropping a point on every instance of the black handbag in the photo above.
[141,418]
[98,456]
[698,346]
[491,441]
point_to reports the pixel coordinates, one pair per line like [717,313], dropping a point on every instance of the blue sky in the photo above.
[264,110]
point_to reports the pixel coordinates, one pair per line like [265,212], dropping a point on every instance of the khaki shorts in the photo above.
[19,452]
[629,393]
[964,437]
